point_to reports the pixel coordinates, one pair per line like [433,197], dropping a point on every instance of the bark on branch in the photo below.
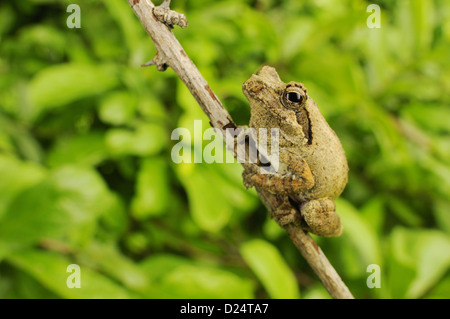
[158,22]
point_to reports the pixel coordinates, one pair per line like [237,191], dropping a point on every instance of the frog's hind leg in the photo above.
[321,218]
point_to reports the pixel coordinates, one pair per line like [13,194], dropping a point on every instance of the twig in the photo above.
[171,54]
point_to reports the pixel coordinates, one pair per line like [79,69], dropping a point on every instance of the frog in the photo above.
[312,170]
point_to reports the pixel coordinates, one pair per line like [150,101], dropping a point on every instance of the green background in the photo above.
[86,175]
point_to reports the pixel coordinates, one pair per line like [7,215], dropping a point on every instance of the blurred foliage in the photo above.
[86,175]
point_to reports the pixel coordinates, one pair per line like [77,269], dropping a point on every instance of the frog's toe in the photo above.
[286,214]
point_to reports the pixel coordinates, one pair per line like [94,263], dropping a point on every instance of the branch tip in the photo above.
[169,17]
[160,63]
[165,4]
[149,63]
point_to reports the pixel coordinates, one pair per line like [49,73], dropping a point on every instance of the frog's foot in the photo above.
[321,218]
[286,214]
[277,183]
[250,170]
[287,183]
[281,184]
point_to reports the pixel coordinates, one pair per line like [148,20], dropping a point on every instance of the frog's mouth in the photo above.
[252,87]
[258,88]
[262,82]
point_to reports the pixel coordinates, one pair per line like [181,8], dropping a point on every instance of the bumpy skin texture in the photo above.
[313,169]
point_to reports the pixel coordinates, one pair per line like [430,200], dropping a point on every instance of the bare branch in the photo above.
[171,53]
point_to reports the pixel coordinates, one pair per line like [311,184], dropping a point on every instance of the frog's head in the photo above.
[263,87]
[272,99]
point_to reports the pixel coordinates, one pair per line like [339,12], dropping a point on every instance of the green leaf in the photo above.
[244,201]
[6,144]
[67,203]
[360,234]
[271,229]
[190,281]
[147,139]
[88,149]
[150,107]
[210,209]
[7,18]
[86,197]
[294,41]
[20,285]
[152,189]
[115,219]
[378,56]
[158,265]
[270,268]
[25,143]
[424,16]
[441,211]
[374,213]
[15,177]
[34,214]
[175,277]
[317,292]
[117,108]
[404,212]
[131,29]
[59,85]
[432,117]
[50,269]
[441,291]
[426,252]
[108,258]
[405,24]
[399,278]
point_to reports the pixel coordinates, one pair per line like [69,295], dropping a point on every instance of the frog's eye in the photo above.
[293,98]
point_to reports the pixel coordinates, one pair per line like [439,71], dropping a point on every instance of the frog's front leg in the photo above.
[295,178]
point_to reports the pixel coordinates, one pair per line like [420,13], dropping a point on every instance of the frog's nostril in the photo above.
[255,88]
[254,84]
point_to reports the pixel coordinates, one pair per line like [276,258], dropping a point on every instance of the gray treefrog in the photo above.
[313,169]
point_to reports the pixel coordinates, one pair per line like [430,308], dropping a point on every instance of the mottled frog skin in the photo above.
[313,169]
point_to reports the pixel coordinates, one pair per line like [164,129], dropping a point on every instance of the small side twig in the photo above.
[158,22]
